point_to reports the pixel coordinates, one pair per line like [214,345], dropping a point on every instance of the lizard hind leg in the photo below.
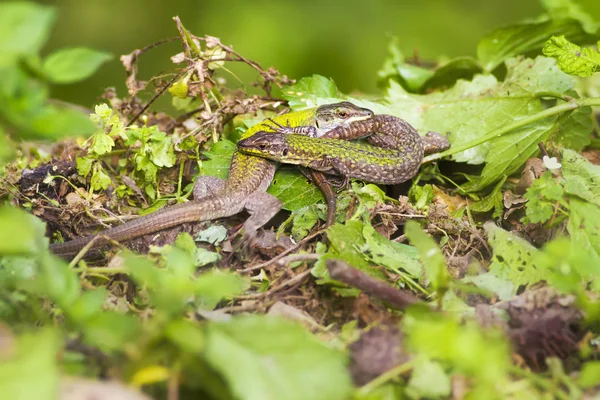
[207,186]
[262,207]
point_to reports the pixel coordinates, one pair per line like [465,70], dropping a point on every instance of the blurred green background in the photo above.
[346,40]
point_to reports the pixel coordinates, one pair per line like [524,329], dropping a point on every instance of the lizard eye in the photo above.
[262,146]
[343,114]
[285,152]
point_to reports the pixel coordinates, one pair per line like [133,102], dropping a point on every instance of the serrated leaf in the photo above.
[582,178]
[101,143]
[100,180]
[163,153]
[84,165]
[73,65]
[572,59]
[262,357]
[525,38]
[24,28]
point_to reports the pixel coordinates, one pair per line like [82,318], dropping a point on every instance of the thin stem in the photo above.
[570,106]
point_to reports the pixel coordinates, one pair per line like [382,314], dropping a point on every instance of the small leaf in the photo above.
[100,181]
[101,143]
[84,165]
[431,256]
[571,58]
[73,65]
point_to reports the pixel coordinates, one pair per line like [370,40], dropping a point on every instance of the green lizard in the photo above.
[245,187]
[396,158]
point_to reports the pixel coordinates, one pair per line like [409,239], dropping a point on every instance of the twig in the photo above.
[284,253]
[341,271]
[156,96]
[296,279]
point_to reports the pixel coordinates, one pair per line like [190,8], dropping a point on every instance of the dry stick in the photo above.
[283,253]
[296,279]
[156,96]
[398,299]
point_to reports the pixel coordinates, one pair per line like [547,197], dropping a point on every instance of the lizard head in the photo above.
[330,116]
[265,144]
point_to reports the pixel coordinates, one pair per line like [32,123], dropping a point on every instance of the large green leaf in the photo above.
[72,65]
[265,358]
[24,29]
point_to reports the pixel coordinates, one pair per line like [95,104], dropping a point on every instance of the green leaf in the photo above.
[6,149]
[429,380]
[21,233]
[73,65]
[481,355]
[31,370]
[110,331]
[395,256]
[214,235]
[572,59]
[513,258]
[219,159]
[24,28]
[101,143]
[502,287]
[431,256]
[590,375]
[542,197]
[213,286]
[163,152]
[315,86]
[493,201]
[303,221]
[100,180]
[525,38]
[294,190]
[410,76]
[559,9]
[582,178]
[346,242]
[317,90]
[84,165]
[471,109]
[575,132]
[447,74]
[262,357]
[584,226]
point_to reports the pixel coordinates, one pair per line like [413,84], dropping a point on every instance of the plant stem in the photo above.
[569,106]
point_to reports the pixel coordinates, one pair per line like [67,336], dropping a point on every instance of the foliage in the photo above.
[189,320]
